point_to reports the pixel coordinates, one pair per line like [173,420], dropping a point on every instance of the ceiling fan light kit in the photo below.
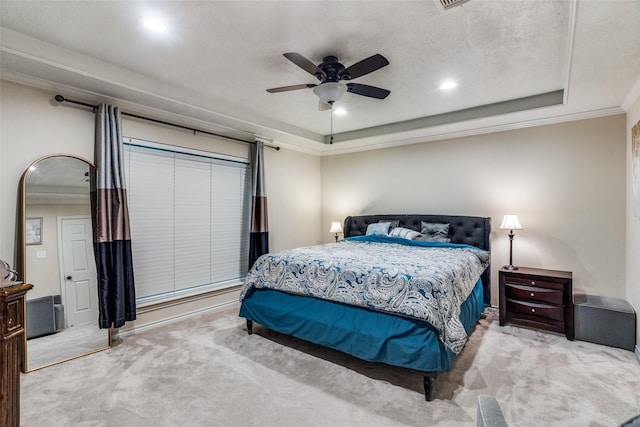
[330,92]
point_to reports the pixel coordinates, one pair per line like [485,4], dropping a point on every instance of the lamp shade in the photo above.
[330,92]
[510,222]
[336,227]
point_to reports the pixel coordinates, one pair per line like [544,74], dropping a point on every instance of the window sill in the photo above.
[181,297]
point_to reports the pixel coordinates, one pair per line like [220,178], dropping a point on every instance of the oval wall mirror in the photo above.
[58,260]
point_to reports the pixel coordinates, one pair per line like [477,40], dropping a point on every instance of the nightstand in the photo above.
[537,298]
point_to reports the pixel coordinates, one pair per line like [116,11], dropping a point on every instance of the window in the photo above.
[189,213]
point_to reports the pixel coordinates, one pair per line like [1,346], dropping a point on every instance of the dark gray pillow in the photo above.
[432,229]
[424,238]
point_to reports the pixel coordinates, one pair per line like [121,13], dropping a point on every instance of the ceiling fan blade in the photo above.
[366,90]
[365,66]
[304,63]
[288,88]
[323,106]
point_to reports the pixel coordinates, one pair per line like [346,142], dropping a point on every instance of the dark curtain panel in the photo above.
[259,237]
[110,216]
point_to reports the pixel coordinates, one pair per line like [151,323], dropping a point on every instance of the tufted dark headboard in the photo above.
[468,230]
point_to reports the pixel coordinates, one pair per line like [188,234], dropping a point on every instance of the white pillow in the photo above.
[404,233]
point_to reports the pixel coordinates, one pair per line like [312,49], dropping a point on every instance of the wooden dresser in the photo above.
[12,328]
[537,298]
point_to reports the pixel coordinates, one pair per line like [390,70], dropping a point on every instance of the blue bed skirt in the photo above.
[366,334]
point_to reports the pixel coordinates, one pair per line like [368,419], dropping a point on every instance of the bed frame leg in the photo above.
[428,387]
[250,326]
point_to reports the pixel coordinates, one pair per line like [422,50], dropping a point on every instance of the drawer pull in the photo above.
[533,310]
[533,283]
[10,321]
[532,294]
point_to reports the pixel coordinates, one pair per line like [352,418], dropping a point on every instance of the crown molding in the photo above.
[436,133]
[475,127]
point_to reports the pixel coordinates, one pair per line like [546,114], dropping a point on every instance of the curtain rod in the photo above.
[61,98]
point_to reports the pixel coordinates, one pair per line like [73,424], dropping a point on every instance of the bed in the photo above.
[398,294]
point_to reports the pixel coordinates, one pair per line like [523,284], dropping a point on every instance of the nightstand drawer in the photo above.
[534,294]
[534,282]
[534,309]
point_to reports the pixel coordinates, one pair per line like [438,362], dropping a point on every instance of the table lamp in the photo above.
[336,227]
[510,222]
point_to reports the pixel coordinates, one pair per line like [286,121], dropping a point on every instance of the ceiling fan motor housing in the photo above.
[332,69]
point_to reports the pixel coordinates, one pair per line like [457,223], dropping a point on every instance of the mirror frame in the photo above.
[22,263]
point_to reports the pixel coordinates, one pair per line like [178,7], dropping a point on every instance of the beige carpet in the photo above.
[206,371]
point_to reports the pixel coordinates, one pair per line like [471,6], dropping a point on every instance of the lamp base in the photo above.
[509,267]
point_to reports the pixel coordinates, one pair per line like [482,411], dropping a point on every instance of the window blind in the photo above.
[189,214]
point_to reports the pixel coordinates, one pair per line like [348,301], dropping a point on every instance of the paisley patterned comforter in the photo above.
[423,280]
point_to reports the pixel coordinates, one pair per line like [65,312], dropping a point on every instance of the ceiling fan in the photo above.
[330,73]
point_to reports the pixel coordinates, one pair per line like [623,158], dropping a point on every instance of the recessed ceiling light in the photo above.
[448,84]
[155,24]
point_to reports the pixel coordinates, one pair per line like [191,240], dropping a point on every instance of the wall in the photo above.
[565,181]
[633,230]
[32,126]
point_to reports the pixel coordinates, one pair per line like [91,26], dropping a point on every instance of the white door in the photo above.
[79,271]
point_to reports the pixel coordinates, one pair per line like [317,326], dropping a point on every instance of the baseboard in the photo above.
[168,320]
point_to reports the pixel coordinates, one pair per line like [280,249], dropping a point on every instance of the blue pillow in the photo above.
[378,229]
[394,223]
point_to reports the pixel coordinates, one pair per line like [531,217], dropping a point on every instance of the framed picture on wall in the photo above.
[33,231]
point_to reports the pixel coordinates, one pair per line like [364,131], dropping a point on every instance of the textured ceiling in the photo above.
[217,59]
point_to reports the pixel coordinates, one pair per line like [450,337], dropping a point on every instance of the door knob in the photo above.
[69,277]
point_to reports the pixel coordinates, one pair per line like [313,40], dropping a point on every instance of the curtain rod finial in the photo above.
[60,98]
